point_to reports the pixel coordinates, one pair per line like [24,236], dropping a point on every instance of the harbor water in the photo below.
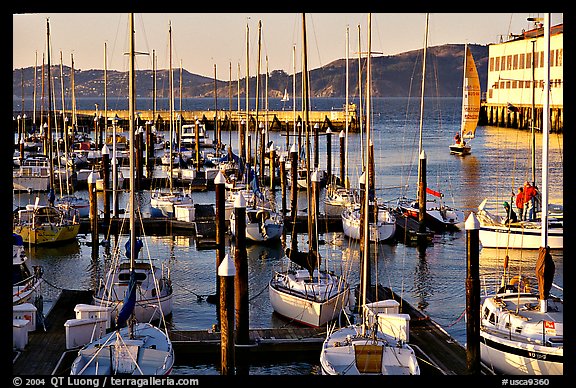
[431,278]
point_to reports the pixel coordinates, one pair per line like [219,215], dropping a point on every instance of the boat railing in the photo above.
[492,283]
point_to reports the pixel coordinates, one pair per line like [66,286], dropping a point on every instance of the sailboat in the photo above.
[470,106]
[285,98]
[134,347]
[522,323]
[378,344]
[263,221]
[310,295]
[40,224]
[26,279]
[438,215]
[162,203]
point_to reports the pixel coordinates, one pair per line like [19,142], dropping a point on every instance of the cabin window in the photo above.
[486,312]
[492,318]
[124,277]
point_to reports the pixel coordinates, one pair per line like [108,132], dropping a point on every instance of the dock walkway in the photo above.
[46,354]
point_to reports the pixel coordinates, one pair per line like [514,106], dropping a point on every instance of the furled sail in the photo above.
[470,98]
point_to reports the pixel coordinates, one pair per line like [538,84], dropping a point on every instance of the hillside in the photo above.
[392,76]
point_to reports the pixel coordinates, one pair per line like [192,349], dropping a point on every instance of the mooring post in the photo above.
[220,188]
[226,273]
[422,193]
[241,280]
[105,180]
[92,196]
[472,294]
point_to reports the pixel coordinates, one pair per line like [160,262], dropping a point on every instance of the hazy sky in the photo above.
[201,41]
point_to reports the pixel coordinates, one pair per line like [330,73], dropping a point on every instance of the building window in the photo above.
[497,64]
[515,62]
[507,84]
[541,58]
[529,60]
[502,85]
[527,84]
[521,64]
[492,64]
[559,59]
[552,57]
[509,62]
[503,63]
[514,84]
[536,57]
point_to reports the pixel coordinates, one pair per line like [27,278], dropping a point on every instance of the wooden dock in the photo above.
[46,354]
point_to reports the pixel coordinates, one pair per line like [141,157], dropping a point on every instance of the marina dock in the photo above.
[46,353]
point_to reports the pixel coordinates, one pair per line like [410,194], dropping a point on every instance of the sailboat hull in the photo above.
[459,149]
[306,305]
[529,237]
[515,358]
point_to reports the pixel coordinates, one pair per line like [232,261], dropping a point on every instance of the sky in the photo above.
[205,43]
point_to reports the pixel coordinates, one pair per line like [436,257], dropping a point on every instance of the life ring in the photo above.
[522,284]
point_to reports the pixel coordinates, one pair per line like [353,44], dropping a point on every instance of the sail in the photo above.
[470,98]
[285,98]
[129,302]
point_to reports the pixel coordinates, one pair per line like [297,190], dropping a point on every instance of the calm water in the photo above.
[432,279]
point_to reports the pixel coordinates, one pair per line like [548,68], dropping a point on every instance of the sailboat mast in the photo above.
[545,130]
[345,172]
[311,236]
[464,102]
[131,109]
[49,129]
[365,215]
[422,99]
[171,81]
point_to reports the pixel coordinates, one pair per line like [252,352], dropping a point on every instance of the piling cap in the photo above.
[105,150]
[226,267]
[219,180]
[240,201]
[328,130]
[293,148]
[472,222]
[342,134]
[92,177]
[422,154]
[314,176]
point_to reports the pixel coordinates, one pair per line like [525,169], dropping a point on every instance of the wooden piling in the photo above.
[329,154]
[220,188]
[343,180]
[226,273]
[422,193]
[92,196]
[241,280]
[472,295]
[105,180]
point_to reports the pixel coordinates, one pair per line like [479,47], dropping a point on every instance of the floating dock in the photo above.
[46,353]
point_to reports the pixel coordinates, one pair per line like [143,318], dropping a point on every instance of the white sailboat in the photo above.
[378,344]
[470,106]
[162,202]
[312,295]
[134,347]
[285,98]
[522,323]
[26,279]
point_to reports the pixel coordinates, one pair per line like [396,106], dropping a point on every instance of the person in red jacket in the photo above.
[520,203]
[529,202]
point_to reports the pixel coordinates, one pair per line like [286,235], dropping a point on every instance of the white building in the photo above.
[516,79]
